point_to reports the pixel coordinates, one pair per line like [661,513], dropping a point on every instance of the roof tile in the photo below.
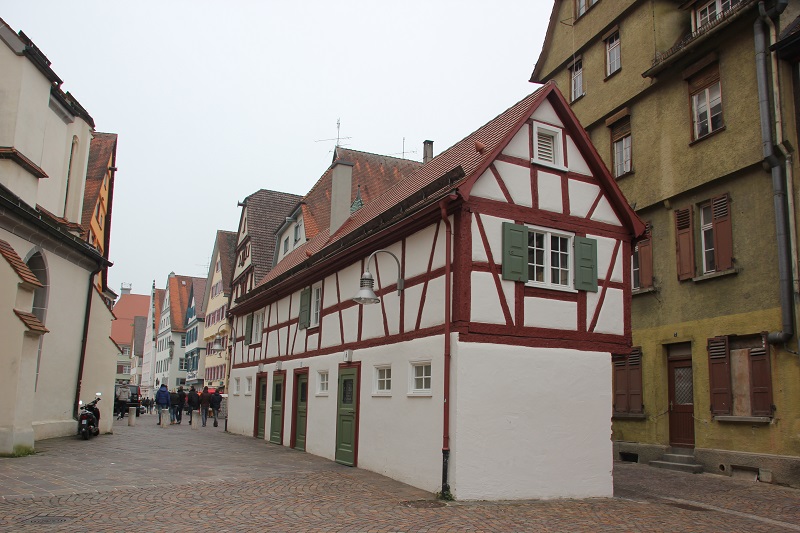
[31,321]
[19,266]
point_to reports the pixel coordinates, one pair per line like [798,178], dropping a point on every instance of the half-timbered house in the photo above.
[484,366]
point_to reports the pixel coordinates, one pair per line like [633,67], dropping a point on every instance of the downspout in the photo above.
[778,179]
[84,341]
[445,494]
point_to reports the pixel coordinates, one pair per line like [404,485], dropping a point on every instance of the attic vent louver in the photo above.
[545,144]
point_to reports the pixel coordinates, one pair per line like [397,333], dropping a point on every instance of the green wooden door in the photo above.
[262,406]
[301,397]
[276,416]
[346,417]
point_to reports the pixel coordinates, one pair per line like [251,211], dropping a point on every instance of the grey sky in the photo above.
[240,91]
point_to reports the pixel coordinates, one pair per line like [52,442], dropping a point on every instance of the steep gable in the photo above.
[226,251]
[102,150]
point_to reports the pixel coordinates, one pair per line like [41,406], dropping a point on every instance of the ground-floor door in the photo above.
[301,402]
[681,403]
[276,412]
[261,417]
[346,416]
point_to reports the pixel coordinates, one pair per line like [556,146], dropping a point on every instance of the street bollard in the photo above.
[132,416]
[164,418]
[195,419]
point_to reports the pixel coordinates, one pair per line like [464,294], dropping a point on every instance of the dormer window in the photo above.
[710,11]
[297,232]
[547,146]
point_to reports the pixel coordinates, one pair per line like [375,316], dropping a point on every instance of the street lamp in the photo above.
[366,294]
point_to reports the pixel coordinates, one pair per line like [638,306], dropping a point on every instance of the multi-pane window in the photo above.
[286,245]
[707,110]
[582,5]
[236,385]
[710,11]
[642,263]
[249,388]
[183,340]
[576,75]
[613,58]
[621,146]
[258,326]
[297,232]
[549,258]
[383,379]
[707,238]
[316,305]
[420,377]
[182,364]
[716,237]
[322,382]
[126,350]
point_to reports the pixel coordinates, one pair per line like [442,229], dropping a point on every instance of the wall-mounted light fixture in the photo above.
[348,356]
[278,366]
[366,294]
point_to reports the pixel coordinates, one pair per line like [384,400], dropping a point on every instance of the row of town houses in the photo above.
[498,320]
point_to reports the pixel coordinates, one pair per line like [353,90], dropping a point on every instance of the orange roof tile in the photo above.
[179,288]
[127,308]
[22,270]
[31,321]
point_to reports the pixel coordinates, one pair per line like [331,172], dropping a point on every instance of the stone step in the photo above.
[680,467]
[678,458]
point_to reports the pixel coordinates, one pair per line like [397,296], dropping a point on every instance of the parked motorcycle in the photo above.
[89,418]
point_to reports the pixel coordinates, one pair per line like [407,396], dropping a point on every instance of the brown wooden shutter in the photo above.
[684,243]
[621,404]
[760,382]
[645,264]
[635,403]
[704,78]
[723,232]
[719,375]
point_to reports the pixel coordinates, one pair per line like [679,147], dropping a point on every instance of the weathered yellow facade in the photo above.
[662,46]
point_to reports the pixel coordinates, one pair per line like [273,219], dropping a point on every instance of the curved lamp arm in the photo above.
[366,294]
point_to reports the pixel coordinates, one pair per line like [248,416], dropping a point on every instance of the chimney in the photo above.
[427,151]
[341,192]
[125,289]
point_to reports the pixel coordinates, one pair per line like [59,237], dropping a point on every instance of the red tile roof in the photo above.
[159,305]
[101,152]
[60,221]
[127,308]
[19,266]
[31,321]
[179,288]
[266,212]
[226,248]
[199,293]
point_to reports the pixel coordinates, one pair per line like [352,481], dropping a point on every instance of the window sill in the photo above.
[321,394]
[552,287]
[704,137]
[248,393]
[381,394]
[311,330]
[420,394]
[612,74]
[236,394]
[713,275]
[624,175]
[646,290]
[743,419]
[629,416]
[577,98]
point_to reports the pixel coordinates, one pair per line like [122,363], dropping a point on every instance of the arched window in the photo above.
[38,266]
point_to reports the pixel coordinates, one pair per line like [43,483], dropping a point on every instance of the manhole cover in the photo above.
[687,507]
[423,504]
[47,520]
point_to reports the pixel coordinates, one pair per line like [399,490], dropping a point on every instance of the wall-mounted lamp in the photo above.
[366,294]
[278,366]
[348,356]
[171,347]
[260,368]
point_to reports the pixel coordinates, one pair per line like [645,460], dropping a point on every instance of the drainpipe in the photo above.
[778,180]
[84,341]
[445,494]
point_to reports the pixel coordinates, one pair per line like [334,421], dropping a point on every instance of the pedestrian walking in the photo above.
[180,404]
[205,403]
[162,401]
[216,403]
[173,401]
[123,396]
[192,401]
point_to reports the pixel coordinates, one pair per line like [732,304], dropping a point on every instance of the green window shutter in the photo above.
[305,308]
[248,328]
[585,264]
[515,252]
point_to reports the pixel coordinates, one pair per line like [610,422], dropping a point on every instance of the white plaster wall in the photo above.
[605,213]
[520,144]
[418,251]
[550,192]
[577,163]
[349,282]
[99,367]
[241,406]
[493,227]
[581,197]
[433,311]
[485,302]
[412,297]
[517,180]
[282,308]
[530,423]
[350,321]
[554,314]
[487,187]
[546,113]
[611,315]
[605,249]
[272,343]
[331,334]
[20,181]
[391,304]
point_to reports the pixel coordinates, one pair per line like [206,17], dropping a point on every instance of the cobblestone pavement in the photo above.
[177,478]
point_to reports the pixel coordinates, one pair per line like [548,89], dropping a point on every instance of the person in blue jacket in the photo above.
[162,400]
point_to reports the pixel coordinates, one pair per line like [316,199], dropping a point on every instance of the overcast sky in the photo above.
[215,100]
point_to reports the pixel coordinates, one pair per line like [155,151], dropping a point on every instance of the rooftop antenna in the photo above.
[338,138]
[404,152]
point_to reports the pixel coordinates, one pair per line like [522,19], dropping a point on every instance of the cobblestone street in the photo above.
[176,478]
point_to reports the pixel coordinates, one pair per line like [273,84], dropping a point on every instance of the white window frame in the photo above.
[720,8]
[705,93]
[413,390]
[323,379]
[315,314]
[576,80]
[622,155]
[547,283]
[258,327]
[558,145]
[182,364]
[636,269]
[126,350]
[237,386]
[613,54]
[382,382]
[249,386]
[707,229]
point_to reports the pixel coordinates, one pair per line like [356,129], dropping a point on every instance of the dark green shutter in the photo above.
[248,328]
[515,252]
[585,264]
[305,308]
